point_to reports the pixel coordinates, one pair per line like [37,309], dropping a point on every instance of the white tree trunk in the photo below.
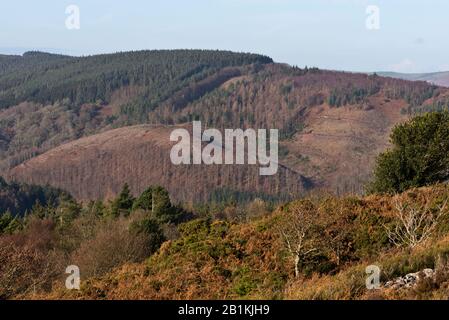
[297,265]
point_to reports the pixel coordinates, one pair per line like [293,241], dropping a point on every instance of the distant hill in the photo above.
[332,124]
[48,99]
[437,78]
[98,166]
[47,78]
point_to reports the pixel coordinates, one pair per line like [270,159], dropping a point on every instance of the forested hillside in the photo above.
[278,95]
[47,78]
[48,99]
[96,167]
[17,199]
[140,227]
[332,124]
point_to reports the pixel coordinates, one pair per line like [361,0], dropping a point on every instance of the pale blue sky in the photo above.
[325,33]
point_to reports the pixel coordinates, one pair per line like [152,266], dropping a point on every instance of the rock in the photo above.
[410,280]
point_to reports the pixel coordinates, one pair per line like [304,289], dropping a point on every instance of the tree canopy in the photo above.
[419,156]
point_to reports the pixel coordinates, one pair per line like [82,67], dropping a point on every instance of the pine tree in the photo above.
[123,204]
[161,202]
[145,200]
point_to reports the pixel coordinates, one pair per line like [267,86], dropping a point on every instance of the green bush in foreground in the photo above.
[419,156]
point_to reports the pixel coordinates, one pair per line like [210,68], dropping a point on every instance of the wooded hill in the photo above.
[47,78]
[332,124]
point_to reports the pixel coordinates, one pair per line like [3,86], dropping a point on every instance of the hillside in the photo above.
[17,199]
[437,78]
[97,166]
[228,260]
[332,124]
[46,99]
[140,244]
[47,78]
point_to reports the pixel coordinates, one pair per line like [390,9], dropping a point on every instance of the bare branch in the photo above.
[415,224]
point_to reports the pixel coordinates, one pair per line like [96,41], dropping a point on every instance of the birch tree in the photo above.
[414,223]
[299,234]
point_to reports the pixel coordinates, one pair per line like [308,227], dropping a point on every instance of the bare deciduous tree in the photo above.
[415,223]
[299,236]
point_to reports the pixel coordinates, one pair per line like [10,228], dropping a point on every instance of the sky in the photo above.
[402,35]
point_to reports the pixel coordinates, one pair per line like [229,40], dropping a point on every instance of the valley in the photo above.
[88,179]
[331,124]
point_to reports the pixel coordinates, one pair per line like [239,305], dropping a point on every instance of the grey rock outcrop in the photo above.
[410,280]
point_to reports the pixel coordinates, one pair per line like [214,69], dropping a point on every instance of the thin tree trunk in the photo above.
[297,265]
